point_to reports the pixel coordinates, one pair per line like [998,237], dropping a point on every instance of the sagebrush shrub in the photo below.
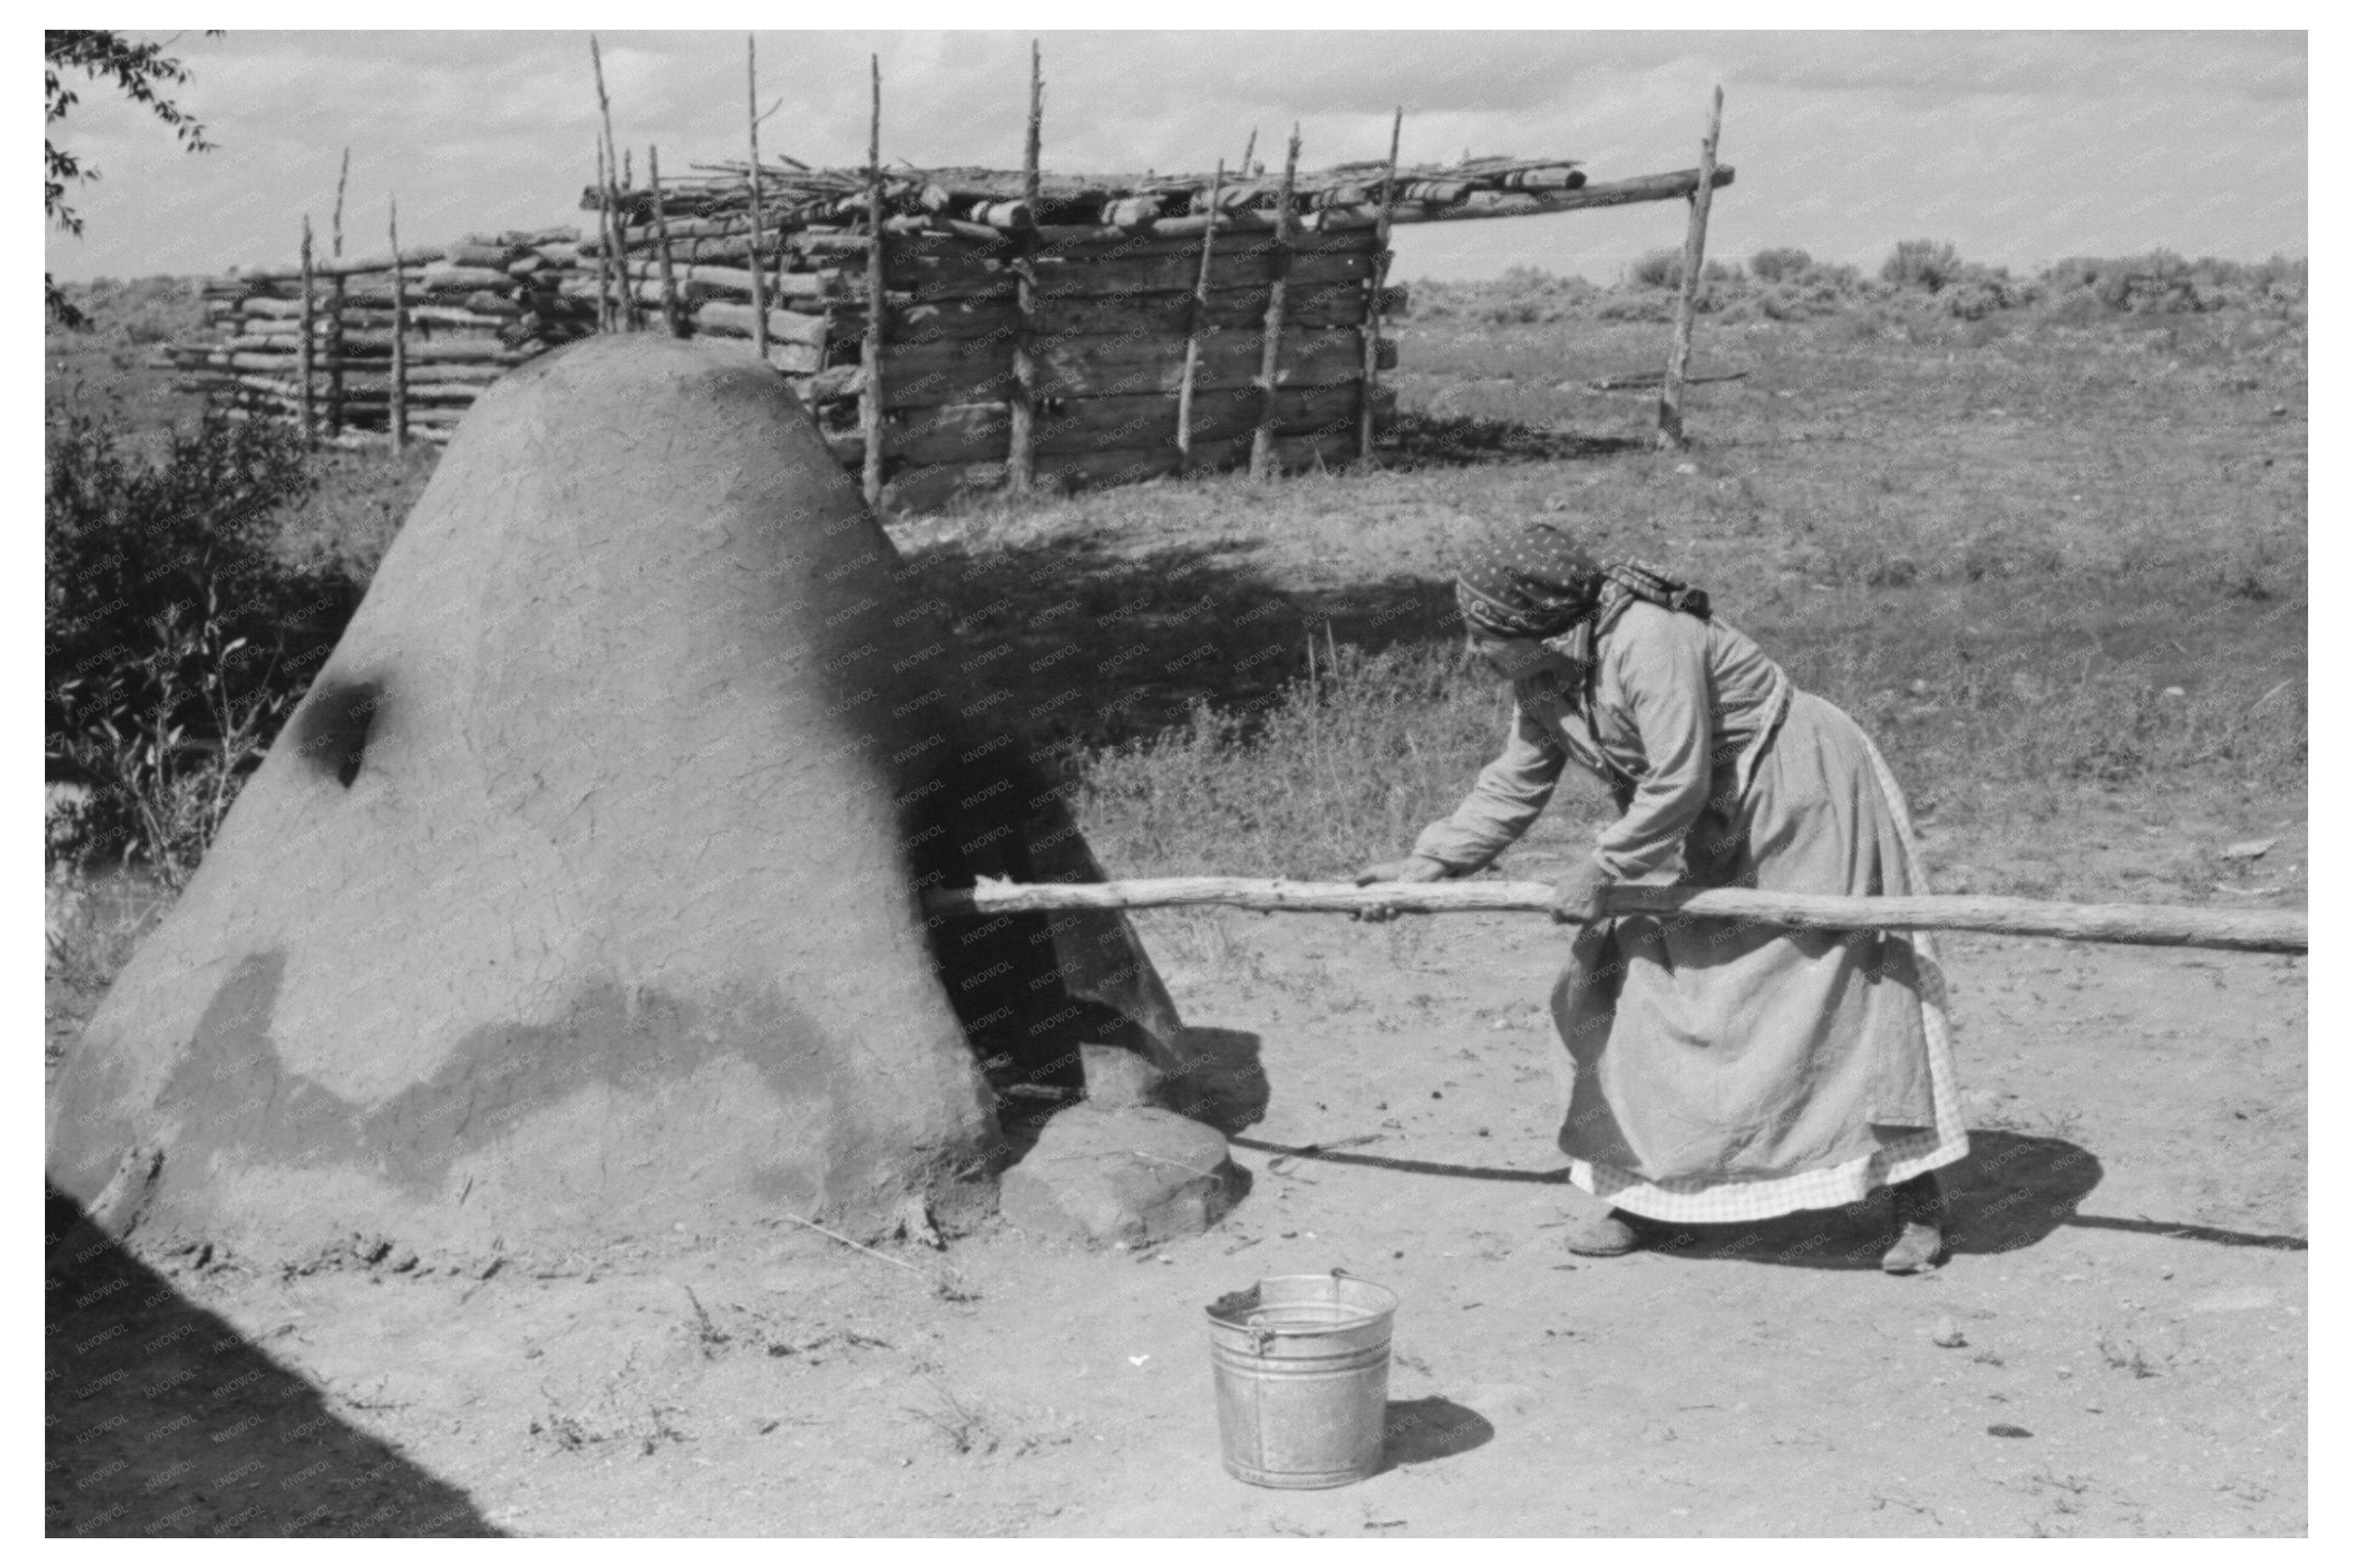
[1658,269]
[176,638]
[1928,264]
[1775,262]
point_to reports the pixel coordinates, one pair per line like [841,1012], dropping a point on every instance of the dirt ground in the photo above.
[2129,1280]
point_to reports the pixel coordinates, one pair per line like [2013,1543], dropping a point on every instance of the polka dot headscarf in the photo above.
[1531,582]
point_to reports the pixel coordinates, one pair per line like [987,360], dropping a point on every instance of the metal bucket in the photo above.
[1302,1364]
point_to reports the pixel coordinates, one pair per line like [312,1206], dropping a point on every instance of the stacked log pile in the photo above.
[1105,335]
[471,311]
[1116,293]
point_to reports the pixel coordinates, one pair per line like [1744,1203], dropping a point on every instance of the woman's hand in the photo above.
[1577,897]
[1413,868]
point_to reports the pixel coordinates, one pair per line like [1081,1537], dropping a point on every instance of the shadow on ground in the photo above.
[1462,440]
[2011,1192]
[1416,1431]
[1224,1083]
[1077,643]
[162,1420]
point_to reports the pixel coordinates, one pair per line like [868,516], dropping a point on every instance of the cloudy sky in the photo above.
[2019,147]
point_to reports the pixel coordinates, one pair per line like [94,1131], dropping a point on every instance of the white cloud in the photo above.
[2019,147]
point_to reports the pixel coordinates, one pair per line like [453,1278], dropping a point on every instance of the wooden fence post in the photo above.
[629,316]
[605,261]
[672,316]
[303,354]
[1262,459]
[1370,385]
[334,333]
[752,259]
[1196,321]
[869,402]
[397,415]
[1021,408]
[1671,389]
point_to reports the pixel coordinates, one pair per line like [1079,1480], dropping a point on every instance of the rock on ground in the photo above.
[1131,1175]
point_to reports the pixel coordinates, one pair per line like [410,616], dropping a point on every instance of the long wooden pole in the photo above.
[1262,459]
[1021,410]
[397,416]
[1671,390]
[2156,925]
[343,178]
[629,316]
[869,403]
[628,312]
[335,339]
[752,178]
[309,429]
[1371,385]
[334,333]
[1197,318]
[607,263]
[673,317]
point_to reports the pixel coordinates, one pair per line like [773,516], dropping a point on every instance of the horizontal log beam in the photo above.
[1174,269]
[1532,204]
[461,353]
[722,238]
[738,280]
[2152,925]
[978,432]
[419,255]
[1128,363]
[918,487]
[723,318]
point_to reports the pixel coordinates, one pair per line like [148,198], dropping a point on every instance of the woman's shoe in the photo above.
[1919,1245]
[1596,1230]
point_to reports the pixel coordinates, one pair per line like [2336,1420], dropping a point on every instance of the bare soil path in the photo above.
[2129,1278]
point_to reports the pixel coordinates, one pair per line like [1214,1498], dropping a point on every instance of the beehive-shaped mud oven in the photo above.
[578,896]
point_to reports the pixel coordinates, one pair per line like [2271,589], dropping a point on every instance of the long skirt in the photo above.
[1720,1072]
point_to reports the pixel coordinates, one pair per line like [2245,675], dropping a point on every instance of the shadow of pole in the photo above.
[2011,1192]
[162,1420]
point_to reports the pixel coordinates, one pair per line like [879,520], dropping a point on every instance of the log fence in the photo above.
[950,330]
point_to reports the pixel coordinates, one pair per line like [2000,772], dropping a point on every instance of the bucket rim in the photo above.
[1232,1312]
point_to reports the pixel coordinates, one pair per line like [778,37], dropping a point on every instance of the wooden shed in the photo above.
[1010,329]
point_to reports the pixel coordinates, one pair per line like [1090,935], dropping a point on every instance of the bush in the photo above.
[1818,288]
[1526,296]
[1980,291]
[1928,264]
[2162,283]
[1658,269]
[138,312]
[176,638]
[1775,262]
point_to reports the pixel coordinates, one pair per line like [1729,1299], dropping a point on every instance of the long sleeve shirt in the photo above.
[1678,707]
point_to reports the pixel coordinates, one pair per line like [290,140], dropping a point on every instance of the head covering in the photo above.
[1531,582]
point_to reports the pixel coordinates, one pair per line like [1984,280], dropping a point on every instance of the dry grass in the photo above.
[2056,569]
[1335,772]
